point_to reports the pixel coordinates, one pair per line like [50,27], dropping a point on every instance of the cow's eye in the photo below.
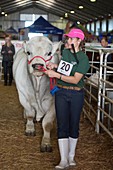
[49,53]
[28,52]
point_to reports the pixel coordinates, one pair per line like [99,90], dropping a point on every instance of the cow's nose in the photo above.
[36,65]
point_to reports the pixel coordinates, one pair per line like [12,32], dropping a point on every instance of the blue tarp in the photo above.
[11,30]
[43,26]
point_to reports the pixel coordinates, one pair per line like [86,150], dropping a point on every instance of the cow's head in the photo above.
[40,50]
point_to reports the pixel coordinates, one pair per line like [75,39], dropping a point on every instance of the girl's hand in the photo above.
[10,52]
[52,73]
[51,66]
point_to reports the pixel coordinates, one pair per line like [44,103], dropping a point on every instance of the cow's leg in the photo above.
[24,113]
[30,129]
[47,125]
[29,114]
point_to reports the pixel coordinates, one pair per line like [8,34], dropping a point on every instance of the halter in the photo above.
[29,61]
[52,80]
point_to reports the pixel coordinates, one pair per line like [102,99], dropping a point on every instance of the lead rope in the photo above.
[74,53]
[52,81]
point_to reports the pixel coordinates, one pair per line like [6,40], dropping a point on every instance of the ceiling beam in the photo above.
[62,5]
[11,8]
[61,11]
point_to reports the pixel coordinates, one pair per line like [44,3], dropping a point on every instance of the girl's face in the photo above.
[74,41]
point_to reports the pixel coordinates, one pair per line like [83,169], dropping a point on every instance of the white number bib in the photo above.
[64,68]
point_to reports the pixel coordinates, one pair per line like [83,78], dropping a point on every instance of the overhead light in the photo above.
[109,14]
[2,13]
[5,15]
[78,22]
[61,18]
[81,7]
[66,14]
[72,12]
[93,0]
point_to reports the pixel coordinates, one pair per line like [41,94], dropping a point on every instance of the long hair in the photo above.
[7,36]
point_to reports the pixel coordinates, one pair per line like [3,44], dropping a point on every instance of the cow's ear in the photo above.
[55,47]
[24,46]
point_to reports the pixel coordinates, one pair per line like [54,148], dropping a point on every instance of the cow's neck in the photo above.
[37,83]
[42,87]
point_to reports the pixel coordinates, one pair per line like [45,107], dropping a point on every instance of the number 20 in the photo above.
[65,66]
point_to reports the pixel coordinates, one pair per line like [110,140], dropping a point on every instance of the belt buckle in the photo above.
[68,88]
[72,88]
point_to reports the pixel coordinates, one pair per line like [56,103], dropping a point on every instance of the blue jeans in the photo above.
[68,105]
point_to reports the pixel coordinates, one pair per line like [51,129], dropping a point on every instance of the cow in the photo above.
[94,79]
[33,85]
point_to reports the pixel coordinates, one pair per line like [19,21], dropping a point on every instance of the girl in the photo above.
[69,99]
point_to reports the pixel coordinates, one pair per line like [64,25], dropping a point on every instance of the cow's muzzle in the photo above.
[38,67]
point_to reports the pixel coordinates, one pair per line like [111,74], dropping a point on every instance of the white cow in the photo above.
[33,85]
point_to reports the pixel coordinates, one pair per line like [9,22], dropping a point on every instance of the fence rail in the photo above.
[98,88]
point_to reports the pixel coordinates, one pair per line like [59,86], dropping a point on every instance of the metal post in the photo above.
[99,92]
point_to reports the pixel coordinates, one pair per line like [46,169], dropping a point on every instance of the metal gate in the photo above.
[98,105]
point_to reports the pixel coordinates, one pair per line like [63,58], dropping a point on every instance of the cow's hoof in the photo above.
[46,148]
[43,148]
[30,133]
[49,148]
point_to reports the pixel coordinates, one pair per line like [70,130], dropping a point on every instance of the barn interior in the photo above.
[95,145]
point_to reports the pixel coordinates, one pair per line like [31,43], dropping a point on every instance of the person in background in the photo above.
[95,39]
[69,98]
[104,44]
[8,51]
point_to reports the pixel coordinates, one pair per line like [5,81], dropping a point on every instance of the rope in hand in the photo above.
[52,80]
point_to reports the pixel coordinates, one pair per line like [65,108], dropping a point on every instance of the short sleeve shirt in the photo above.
[80,64]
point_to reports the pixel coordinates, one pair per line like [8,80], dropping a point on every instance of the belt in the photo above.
[69,87]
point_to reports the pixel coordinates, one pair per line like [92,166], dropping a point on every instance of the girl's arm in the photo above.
[69,79]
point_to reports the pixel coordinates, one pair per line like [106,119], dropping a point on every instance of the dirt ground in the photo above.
[18,152]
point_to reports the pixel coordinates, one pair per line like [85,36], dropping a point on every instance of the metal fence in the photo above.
[1,68]
[98,105]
